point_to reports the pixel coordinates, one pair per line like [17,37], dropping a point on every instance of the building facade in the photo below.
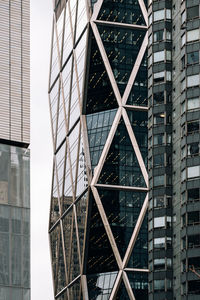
[174,162]
[14,152]
[98,105]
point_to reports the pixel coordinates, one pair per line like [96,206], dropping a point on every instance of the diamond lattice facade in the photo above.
[98,106]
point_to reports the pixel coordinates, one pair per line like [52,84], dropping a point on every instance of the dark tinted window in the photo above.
[193,12]
[193,57]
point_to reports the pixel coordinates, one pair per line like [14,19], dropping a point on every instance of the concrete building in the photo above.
[14,153]
[174,162]
[98,105]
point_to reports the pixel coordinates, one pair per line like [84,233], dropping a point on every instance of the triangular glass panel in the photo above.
[126,11]
[54,211]
[75,291]
[57,259]
[74,111]
[139,284]
[121,166]
[139,123]
[122,293]
[67,196]
[55,64]
[67,223]
[73,10]
[81,210]
[139,256]
[98,126]
[74,265]
[59,24]
[100,95]
[100,257]
[122,46]
[66,76]
[59,8]
[74,145]
[100,285]
[80,51]
[81,19]
[61,126]
[54,100]
[139,92]
[122,209]
[61,157]
[81,176]
[68,41]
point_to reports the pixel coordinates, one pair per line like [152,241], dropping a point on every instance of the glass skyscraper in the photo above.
[14,152]
[98,105]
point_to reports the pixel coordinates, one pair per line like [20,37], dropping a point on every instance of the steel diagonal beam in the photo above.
[144,11]
[96,9]
[84,287]
[128,286]
[107,226]
[135,232]
[118,24]
[135,146]
[98,168]
[135,69]
[116,285]
[106,63]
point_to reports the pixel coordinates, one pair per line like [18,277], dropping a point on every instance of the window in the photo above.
[159,77]
[159,264]
[158,98]
[193,195]
[193,80]
[193,12]
[193,57]
[193,103]
[193,171]
[193,149]
[193,217]
[159,119]
[192,127]
[168,35]
[168,14]
[158,202]
[193,241]
[159,284]
[158,160]
[159,243]
[193,287]
[193,35]
[159,56]
[158,35]
[159,222]
[159,15]
[158,139]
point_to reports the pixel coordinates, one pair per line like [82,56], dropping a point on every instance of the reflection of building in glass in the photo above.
[98,105]
[14,155]
[174,163]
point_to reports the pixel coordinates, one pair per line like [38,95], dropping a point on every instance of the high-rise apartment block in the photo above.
[102,113]
[174,162]
[14,153]
[98,104]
